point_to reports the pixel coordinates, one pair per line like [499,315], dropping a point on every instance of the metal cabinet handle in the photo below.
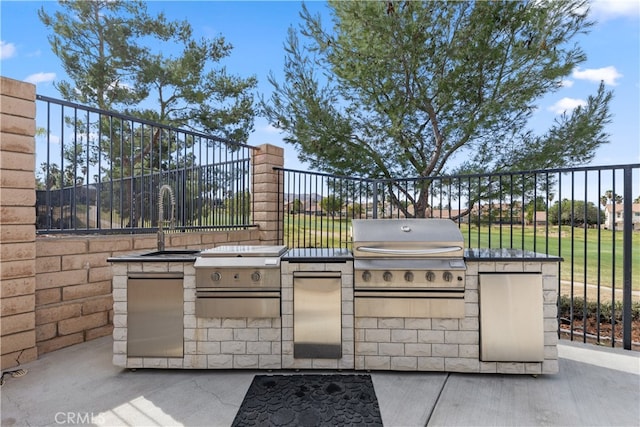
[376,250]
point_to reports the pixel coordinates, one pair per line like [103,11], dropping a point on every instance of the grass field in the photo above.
[590,256]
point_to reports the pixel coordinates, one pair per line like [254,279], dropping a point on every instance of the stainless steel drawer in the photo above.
[238,304]
[447,305]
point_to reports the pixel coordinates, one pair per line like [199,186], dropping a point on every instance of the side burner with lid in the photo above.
[238,281]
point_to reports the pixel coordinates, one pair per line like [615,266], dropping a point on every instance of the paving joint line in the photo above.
[433,408]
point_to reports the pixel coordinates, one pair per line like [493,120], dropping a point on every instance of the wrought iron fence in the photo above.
[589,216]
[100,172]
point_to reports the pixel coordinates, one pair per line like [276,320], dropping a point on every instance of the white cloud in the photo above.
[271,129]
[52,139]
[40,78]
[603,10]
[7,50]
[566,104]
[607,74]
[566,83]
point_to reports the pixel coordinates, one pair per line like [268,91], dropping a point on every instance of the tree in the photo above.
[420,89]
[118,56]
[355,210]
[105,50]
[96,42]
[534,206]
[574,213]
[609,197]
[238,207]
[296,207]
[185,86]
[332,204]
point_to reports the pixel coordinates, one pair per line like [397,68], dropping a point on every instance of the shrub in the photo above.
[592,309]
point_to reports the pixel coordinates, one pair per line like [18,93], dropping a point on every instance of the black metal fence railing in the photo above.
[589,216]
[100,172]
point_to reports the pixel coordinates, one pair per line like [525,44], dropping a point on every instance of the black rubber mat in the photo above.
[309,400]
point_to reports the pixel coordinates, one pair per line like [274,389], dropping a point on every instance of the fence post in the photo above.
[266,192]
[18,221]
[626,260]
[375,199]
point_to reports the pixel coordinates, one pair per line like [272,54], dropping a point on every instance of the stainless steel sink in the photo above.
[167,255]
[172,253]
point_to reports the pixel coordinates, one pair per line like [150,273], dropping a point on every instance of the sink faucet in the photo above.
[163,189]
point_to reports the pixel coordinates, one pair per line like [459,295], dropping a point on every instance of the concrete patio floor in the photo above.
[78,385]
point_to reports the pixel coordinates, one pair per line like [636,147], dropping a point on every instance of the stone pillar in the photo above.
[17,222]
[266,191]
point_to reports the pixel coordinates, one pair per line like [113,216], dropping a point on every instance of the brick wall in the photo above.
[17,222]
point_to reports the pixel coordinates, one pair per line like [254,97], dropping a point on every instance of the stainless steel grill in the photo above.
[408,268]
[238,281]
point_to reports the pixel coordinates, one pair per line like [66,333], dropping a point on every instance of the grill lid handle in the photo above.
[376,250]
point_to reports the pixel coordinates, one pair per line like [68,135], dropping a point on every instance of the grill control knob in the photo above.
[387,276]
[431,276]
[255,276]
[408,276]
[366,275]
[447,276]
[216,276]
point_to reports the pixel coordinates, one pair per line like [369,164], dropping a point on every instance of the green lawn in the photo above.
[589,255]
[316,231]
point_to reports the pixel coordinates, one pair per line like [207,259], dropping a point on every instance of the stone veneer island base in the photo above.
[453,345]
[368,343]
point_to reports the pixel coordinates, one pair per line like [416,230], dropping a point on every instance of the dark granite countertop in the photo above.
[502,254]
[317,255]
[299,255]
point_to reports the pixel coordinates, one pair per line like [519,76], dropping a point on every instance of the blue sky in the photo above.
[257,31]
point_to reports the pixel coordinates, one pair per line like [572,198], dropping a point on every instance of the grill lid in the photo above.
[415,238]
[244,251]
[241,256]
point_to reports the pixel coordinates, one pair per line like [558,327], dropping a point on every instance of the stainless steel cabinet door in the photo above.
[317,315]
[155,310]
[511,317]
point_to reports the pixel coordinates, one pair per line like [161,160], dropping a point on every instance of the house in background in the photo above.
[451,213]
[540,218]
[614,216]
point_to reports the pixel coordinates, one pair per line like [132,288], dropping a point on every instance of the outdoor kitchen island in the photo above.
[325,331]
